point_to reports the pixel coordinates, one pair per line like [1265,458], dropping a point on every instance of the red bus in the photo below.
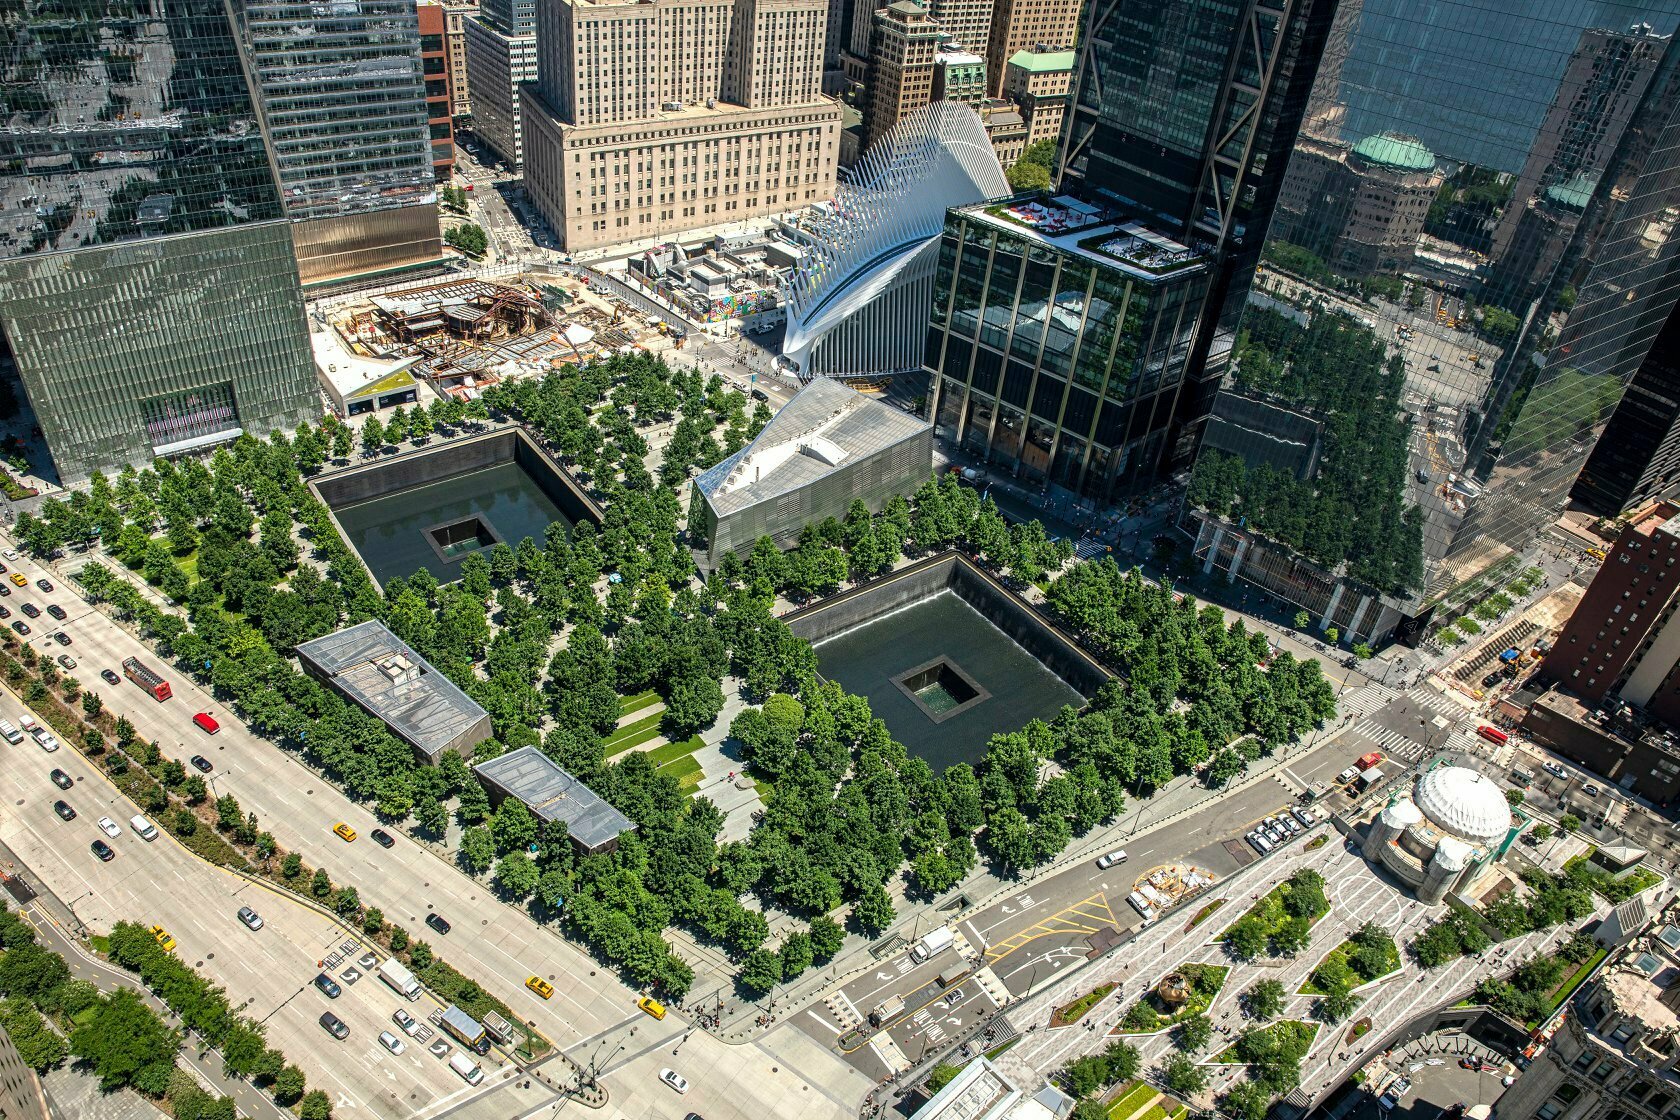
[1492,734]
[147,679]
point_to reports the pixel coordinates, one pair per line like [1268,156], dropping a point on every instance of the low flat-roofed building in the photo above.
[981,1091]
[554,797]
[828,446]
[378,672]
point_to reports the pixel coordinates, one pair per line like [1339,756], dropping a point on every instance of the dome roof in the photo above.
[1453,854]
[1394,150]
[1464,803]
[1401,815]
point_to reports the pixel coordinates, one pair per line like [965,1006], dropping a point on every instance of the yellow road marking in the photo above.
[1086,917]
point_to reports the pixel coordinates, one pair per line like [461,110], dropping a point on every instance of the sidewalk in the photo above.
[53,922]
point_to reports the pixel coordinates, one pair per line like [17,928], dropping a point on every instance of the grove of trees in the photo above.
[547,635]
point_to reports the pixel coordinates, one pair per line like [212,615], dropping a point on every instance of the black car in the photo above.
[103,850]
[334,1026]
[65,813]
[61,637]
[44,585]
[109,677]
[201,764]
[61,779]
[382,838]
[329,987]
[30,609]
[56,611]
[5,592]
[437,922]
[4,613]
[21,627]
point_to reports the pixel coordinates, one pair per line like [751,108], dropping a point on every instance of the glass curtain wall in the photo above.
[1470,255]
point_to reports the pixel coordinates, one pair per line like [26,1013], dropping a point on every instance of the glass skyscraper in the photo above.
[1472,251]
[1183,112]
[343,102]
[149,294]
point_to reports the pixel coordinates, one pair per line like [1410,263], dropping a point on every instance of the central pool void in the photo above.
[434,507]
[947,657]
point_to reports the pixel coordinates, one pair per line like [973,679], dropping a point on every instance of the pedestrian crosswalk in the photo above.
[1089,548]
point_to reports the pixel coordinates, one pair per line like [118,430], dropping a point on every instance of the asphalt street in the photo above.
[267,973]
[497,945]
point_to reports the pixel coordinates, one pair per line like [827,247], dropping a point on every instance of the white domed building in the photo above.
[1436,838]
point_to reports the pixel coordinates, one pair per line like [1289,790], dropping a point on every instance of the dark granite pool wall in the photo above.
[954,571]
[447,460]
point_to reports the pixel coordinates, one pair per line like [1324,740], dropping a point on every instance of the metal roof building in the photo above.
[554,797]
[378,671]
[829,445]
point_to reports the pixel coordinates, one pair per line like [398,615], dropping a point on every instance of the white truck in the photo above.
[937,941]
[397,975]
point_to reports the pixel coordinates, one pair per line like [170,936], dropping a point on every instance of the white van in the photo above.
[142,827]
[467,1068]
[10,733]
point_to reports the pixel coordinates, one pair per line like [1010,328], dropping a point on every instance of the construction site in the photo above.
[464,334]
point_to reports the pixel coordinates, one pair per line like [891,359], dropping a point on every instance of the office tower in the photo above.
[148,288]
[1038,82]
[966,23]
[1411,402]
[1028,25]
[440,99]
[1627,602]
[654,118]
[1637,459]
[903,52]
[456,16]
[21,1094]
[1095,378]
[343,106]
[501,56]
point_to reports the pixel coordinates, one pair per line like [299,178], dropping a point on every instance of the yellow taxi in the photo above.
[1596,553]
[344,832]
[19,579]
[164,939]
[542,987]
[651,1006]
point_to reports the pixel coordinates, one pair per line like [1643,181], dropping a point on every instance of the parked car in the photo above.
[409,1024]
[1555,770]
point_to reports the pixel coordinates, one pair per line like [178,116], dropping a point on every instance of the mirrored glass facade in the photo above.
[143,251]
[1472,250]
[1060,340]
[342,91]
